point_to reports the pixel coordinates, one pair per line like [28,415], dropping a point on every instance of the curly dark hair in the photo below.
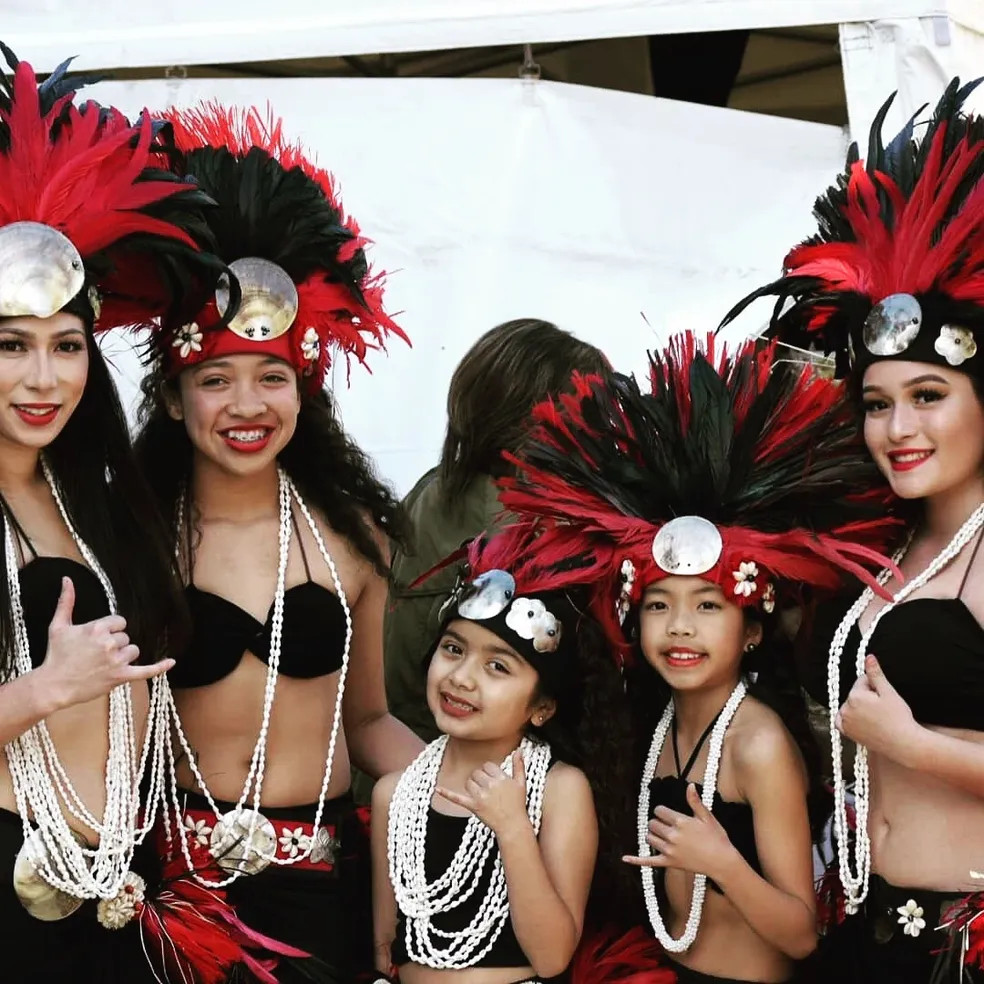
[591,729]
[112,507]
[332,473]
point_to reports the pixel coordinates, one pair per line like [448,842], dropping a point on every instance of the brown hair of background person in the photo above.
[509,369]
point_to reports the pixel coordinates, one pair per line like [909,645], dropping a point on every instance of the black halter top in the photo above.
[735,817]
[930,649]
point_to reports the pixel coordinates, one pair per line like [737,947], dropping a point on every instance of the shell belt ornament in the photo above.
[55,870]
[715,746]
[856,882]
[406,848]
[243,841]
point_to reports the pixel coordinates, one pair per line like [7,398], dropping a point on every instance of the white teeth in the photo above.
[35,412]
[914,456]
[685,657]
[246,437]
[457,703]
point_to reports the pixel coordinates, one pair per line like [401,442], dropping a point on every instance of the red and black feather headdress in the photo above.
[91,220]
[896,269]
[281,227]
[744,469]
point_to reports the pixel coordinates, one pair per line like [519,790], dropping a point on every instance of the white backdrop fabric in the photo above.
[916,56]
[127,33]
[622,218]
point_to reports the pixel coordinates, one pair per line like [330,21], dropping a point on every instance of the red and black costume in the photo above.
[896,272]
[743,469]
[307,294]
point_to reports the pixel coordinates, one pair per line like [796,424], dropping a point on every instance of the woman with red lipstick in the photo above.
[691,512]
[893,283]
[281,528]
[92,235]
[485,847]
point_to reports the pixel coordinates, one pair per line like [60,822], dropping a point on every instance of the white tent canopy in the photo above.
[130,33]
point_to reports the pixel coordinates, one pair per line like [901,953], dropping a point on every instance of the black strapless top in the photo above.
[444,835]
[735,818]
[932,652]
[40,584]
[312,639]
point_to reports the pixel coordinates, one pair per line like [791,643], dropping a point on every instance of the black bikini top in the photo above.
[312,640]
[40,583]
[931,650]
[444,833]
[735,818]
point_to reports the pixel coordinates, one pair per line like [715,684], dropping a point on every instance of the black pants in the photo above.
[74,950]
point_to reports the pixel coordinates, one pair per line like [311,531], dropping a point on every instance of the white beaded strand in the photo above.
[855,883]
[287,493]
[41,784]
[714,748]
[406,847]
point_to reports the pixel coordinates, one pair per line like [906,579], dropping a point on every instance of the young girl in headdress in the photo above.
[693,512]
[484,849]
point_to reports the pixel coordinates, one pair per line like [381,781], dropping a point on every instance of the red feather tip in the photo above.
[80,172]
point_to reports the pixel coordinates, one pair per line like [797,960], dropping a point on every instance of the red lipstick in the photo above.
[37,414]
[683,656]
[256,438]
[906,459]
[459,709]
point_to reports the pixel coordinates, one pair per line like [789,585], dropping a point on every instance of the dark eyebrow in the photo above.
[500,650]
[656,589]
[916,381]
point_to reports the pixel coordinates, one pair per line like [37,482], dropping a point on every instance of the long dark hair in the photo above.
[771,670]
[113,510]
[329,469]
[495,386]
[592,729]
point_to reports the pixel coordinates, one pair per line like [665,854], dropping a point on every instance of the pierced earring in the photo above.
[749,647]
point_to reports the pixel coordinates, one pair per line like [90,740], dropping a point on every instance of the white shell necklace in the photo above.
[406,847]
[855,882]
[685,941]
[41,784]
[242,840]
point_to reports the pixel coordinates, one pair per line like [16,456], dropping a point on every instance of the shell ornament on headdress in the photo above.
[896,268]
[745,470]
[91,219]
[299,260]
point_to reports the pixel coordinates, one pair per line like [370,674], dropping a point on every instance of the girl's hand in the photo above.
[876,716]
[384,960]
[698,844]
[87,661]
[498,800]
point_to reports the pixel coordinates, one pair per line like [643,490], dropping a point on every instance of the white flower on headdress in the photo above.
[910,918]
[116,912]
[188,339]
[529,619]
[624,602]
[292,841]
[769,598]
[745,578]
[955,344]
[198,829]
[310,346]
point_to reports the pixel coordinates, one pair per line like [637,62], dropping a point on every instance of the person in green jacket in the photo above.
[495,386]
